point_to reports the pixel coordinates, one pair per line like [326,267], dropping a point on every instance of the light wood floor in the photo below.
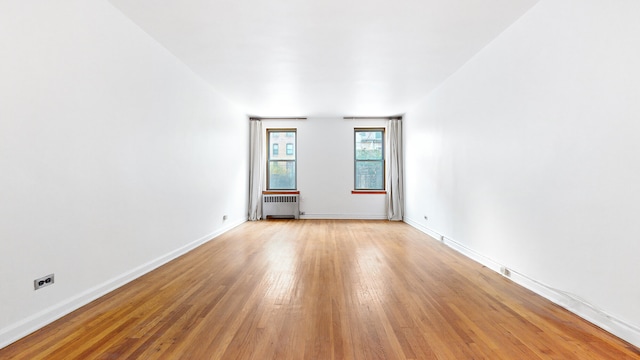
[321,290]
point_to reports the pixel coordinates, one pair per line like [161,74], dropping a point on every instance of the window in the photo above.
[369,159]
[281,168]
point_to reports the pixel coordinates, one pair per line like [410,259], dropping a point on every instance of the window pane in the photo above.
[369,175]
[281,167]
[369,145]
[282,175]
[286,139]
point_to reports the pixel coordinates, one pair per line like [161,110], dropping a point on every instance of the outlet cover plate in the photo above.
[43,281]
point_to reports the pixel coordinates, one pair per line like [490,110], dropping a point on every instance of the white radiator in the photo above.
[280,206]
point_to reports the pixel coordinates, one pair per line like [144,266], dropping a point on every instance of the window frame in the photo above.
[294,160]
[382,130]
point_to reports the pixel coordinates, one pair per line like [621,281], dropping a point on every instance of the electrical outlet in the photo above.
[504,271]
[42,282]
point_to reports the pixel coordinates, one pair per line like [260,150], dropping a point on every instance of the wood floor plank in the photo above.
[321,289]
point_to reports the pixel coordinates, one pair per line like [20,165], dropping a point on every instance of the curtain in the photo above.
[395,176]
[256,170]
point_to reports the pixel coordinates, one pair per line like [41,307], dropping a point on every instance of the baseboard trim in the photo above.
[570,302]
[17,331]
[308,216]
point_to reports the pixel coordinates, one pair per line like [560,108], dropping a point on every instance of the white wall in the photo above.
[528,157]
[114,157]
[325,169]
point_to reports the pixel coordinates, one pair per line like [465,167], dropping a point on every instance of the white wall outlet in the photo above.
[505,271]
[43,281]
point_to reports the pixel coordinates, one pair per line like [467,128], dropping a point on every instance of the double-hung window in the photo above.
[281,166]
[369,159]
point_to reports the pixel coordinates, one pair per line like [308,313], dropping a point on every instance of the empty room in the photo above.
[212,179]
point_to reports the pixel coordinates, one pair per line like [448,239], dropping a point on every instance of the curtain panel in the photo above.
[256,170]
[395,176]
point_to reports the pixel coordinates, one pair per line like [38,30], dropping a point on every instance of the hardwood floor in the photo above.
[321,289]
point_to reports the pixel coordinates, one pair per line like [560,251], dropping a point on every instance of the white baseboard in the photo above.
[343,216]
[572,303]
[36,321]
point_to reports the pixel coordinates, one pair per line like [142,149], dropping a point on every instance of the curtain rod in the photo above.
[372,118]
[277,118]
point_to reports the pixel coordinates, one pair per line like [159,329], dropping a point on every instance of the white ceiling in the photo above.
[324,57]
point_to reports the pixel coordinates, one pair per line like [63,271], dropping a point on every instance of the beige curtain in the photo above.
[395,175]
[256,170]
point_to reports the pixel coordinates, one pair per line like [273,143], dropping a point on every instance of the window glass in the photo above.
[281,168]
[282,175]
[369,159]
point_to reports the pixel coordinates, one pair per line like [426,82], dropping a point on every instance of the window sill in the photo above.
[280,192]
[368,192]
